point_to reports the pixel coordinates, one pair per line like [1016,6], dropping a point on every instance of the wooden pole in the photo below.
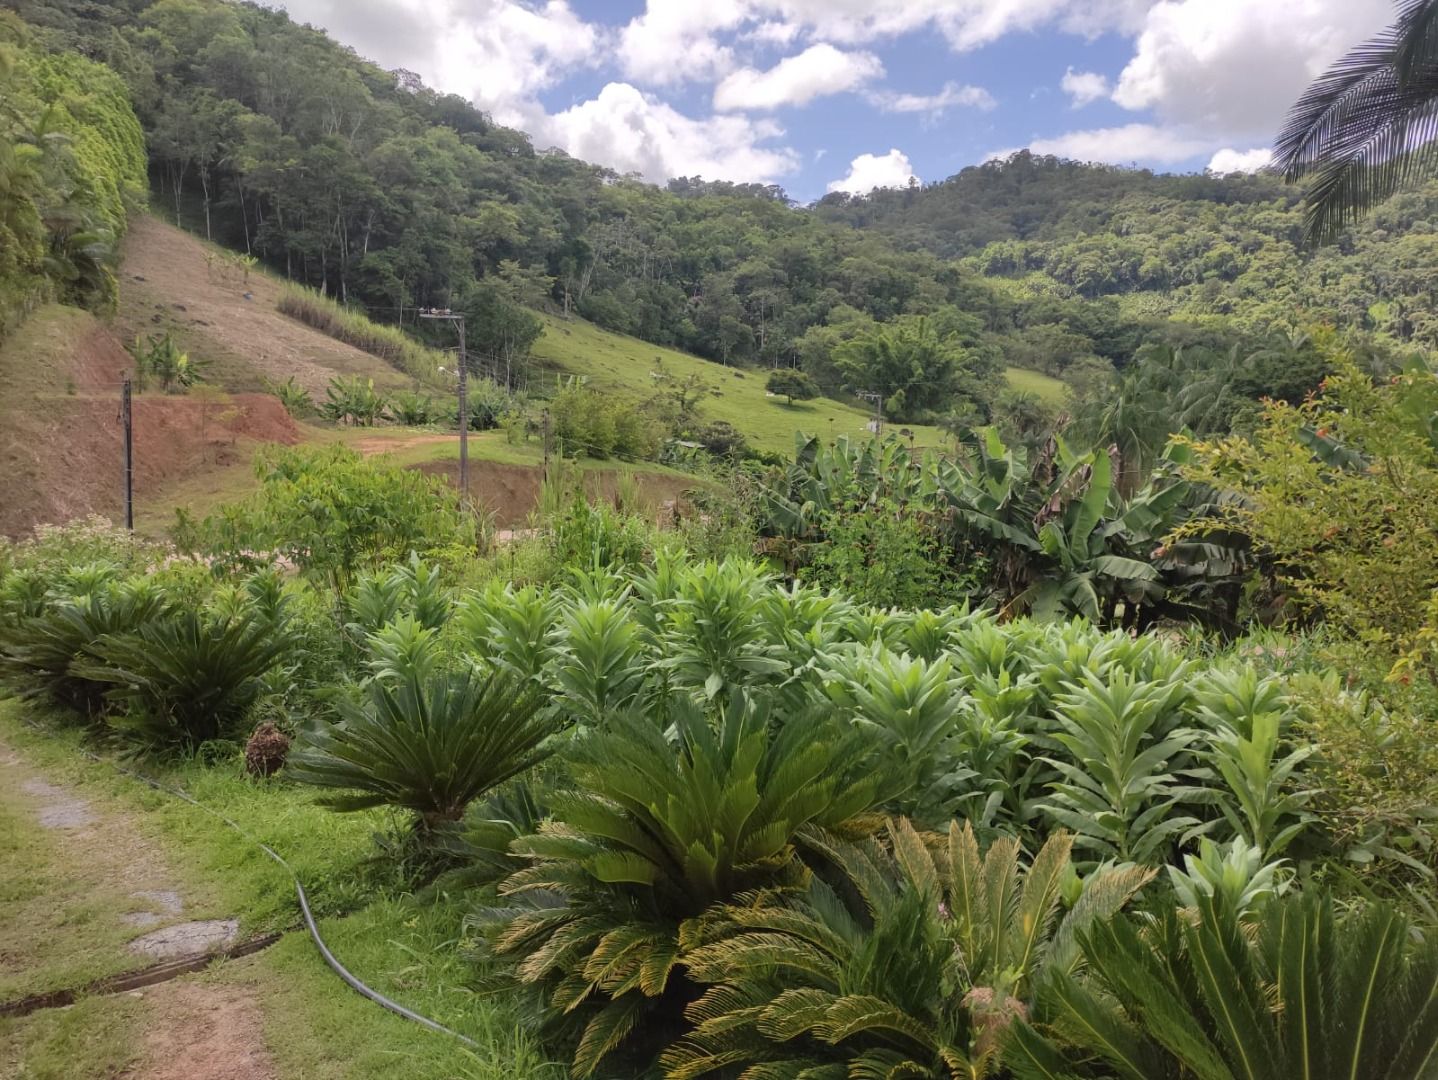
[125,419]
[463,416]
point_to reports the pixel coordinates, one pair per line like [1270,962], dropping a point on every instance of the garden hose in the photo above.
[329,957]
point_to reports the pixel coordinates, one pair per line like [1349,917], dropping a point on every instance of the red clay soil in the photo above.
[510,492]
[61,454]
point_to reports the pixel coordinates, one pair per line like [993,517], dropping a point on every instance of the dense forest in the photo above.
[271,138]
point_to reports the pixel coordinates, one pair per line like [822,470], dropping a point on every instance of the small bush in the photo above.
[186,679]
[432,746]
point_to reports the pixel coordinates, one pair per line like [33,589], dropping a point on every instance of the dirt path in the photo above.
[199,1029]
[87,893]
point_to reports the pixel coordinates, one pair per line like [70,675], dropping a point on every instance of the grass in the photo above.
[408,949]
[1046,388]
[94,1039]
[389,343]
[623,364]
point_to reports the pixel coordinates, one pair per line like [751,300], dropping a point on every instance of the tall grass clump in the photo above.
[389,343]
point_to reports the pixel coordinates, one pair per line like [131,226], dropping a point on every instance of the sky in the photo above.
[849,95]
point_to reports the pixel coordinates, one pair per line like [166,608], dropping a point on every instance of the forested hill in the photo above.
[274,139]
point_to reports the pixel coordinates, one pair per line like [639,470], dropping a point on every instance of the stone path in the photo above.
[111,902]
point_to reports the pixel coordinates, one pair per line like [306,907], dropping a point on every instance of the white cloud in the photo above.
[1145,143]
[870,171]
[1229,69]
[1229,160]
[965,24]
[818,71]
[1084,87]
[676,42]
[635,132]
[951,95]
[499,53]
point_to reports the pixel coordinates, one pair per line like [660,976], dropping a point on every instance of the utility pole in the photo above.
[878,400]
[126,423]
[546,445]
[445,315]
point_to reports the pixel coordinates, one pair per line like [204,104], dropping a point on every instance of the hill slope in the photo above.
[173,281]
[617,362]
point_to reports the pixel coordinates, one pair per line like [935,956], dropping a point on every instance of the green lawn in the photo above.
[1049,390]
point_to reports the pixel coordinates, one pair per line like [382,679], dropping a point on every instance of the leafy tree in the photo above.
[791,384]
[909,364]
[335,513]
[1335,491]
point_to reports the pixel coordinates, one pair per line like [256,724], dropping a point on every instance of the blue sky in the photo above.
[820,95]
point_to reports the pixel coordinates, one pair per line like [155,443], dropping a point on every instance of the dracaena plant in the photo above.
[1248,719]
[513,629]
[715,635]
[1117,788]
[1301,994]
[599,666]
[913,965]
[654,831]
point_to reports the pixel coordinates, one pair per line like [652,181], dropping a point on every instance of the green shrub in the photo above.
[429,745]
[185,679]
[652,834]
[587,423]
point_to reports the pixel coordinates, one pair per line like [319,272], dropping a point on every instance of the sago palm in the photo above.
[1367,127]
[39,653]
[914,965]
[1303,995]
[186,678]
[430,745]
[655,832]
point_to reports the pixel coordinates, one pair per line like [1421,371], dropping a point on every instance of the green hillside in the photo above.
[617,362]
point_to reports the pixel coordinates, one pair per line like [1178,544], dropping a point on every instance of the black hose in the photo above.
[329,957]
